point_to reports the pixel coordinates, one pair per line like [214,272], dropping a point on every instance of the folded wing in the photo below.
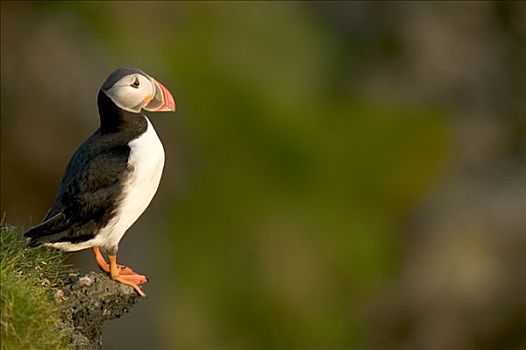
[89,194]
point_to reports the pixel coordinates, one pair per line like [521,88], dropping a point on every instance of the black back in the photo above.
[93,182]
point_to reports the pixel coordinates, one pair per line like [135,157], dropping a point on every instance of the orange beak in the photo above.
[162,100]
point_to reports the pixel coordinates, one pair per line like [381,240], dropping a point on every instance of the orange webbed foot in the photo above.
[120,273]
[132,280]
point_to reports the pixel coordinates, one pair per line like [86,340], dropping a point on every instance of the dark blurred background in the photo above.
[338,174]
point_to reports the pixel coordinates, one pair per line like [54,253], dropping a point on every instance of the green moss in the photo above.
[29,319]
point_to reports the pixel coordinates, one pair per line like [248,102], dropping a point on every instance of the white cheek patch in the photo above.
[128,97]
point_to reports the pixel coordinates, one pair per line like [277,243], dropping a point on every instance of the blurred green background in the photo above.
[338,174]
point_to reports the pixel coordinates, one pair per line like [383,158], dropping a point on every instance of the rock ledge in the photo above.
[86,302]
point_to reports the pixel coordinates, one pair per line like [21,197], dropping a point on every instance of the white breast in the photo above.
[146,162]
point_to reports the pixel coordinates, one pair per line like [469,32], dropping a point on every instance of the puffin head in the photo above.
[132,90]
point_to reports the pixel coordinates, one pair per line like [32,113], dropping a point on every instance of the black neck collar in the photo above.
[114,119]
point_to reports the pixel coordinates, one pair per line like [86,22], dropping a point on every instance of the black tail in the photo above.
[35,242]
[47,231]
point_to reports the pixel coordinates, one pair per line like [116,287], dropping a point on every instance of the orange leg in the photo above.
[100,260]
[132,279]
[120,273]
[123,270]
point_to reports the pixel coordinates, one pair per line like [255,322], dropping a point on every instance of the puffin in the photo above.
[113,176]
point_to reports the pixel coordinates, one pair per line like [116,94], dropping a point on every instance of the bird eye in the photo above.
[135,83]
